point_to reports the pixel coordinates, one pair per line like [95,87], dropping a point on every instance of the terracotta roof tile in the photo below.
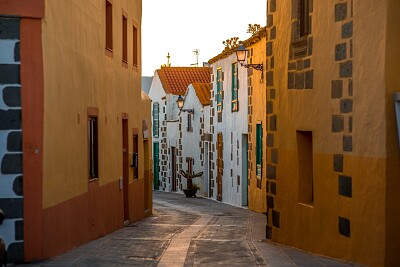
[175,80]
[203,92]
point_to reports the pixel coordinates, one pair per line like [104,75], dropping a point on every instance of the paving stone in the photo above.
[216,235]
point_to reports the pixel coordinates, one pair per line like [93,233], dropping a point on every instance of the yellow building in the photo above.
[85,156]
[333,162]
[256,118]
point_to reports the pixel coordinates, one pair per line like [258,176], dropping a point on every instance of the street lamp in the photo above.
[241,54]
[180,105]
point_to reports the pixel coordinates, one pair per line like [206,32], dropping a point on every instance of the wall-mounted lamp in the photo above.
[180,105]
[241,55]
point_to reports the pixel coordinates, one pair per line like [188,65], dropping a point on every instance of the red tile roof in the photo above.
[175,80]
[203,92]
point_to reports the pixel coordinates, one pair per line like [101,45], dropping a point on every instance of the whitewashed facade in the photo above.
[229,127]
[194,135]
[165,131]
[167,84]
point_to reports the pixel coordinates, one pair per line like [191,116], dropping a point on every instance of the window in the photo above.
[135,46]
[156,113]
[259,134]
[135,157]
[235,87]
[124,39]
[93,147]
[189,122]
[109,26]
[305,167]
[219,90]
[304,19]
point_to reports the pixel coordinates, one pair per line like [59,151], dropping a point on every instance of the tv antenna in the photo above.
[196,52]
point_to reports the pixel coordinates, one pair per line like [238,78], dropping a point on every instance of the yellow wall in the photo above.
[78,74]
[373,161]
[257,196]
[392,80]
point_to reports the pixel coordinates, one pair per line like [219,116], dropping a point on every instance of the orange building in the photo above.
[75,149]
[333,161]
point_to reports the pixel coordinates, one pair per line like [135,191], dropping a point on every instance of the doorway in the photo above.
[173,168]
[245,170]
[220,166]
[147,186]
[155,166]
[125,168]
[207,178]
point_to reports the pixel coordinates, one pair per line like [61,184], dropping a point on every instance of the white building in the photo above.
[168,83]
[194,141]
[229,127]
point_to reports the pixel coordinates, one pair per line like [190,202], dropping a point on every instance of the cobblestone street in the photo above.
[190,232]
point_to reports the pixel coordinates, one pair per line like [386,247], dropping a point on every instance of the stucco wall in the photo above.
[257,94]
[79,73]
[392,82]
[156,94]
[343,104]
[232,127]
[191,141]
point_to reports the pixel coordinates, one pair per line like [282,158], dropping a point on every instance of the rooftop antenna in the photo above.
[196,52]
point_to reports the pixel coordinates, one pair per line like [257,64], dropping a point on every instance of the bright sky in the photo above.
[180,26]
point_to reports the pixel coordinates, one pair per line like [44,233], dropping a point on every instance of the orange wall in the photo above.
[67,70]
[32,125]
[80,74]
[23,8]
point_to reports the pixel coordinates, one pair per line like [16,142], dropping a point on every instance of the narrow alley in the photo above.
[190,232]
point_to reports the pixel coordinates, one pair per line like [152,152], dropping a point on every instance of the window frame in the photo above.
[135,155]
[304,19]
[305,159]
[189,127]
[156,119]
[93,146]
[109,25]
[235,88]
[135,45]
[219,81]
[124,39]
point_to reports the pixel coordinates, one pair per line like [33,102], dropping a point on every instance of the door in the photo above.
[155,166]
[244,170]
[125,168]
[220,166]
[207,181]
[147,184]
[173,168]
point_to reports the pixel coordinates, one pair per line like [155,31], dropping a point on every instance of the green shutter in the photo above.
[156,112]
[219,90]
[234,105]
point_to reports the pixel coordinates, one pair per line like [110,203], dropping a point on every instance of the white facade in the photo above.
[191,141]
[233,127]
[167,84]
[167,133]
